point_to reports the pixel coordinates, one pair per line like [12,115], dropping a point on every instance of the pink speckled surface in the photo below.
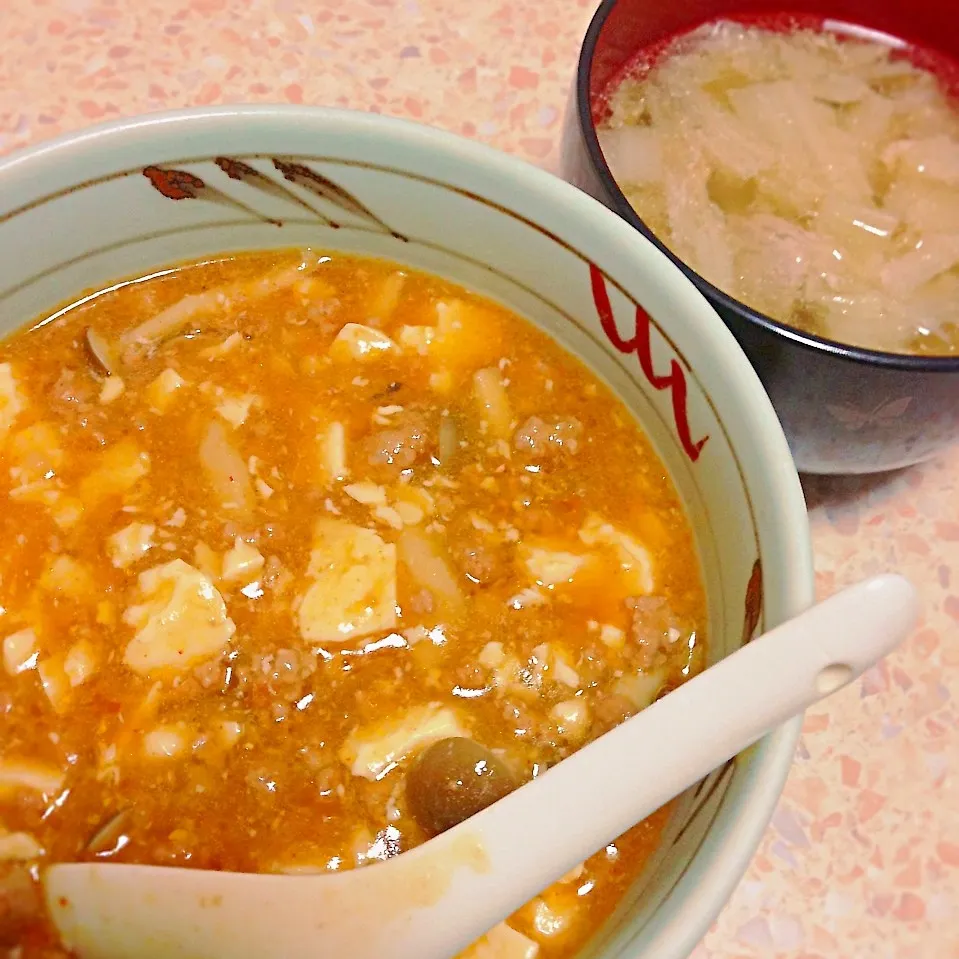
[862,859]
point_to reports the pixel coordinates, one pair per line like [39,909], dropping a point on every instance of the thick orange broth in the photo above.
[273,525]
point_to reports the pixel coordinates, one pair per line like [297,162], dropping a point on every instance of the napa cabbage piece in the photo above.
[923,205]
[225,469]
[427,560]
[29,775]
[697,227]
[332,459]
[367,493]
[633,153]
[907,273]
[727,141]
[774,259]
[12,400]
[936,158]
[495,410]
[19,847]
[165,742]
[816,180]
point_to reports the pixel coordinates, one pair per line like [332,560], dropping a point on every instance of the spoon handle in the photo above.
[543,830]
[434,900]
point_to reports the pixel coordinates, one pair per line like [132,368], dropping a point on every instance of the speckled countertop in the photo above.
[862,858]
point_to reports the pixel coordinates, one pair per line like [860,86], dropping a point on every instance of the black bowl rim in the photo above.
[855,354]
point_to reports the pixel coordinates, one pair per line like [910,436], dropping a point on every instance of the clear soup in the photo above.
[811,176]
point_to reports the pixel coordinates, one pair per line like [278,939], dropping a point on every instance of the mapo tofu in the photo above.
[306,559]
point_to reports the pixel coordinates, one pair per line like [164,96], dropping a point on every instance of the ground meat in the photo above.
[593,664]
[262,779]
[402,444]
[73,392]
[328,780]
[654,627]
[521,719]
[275,576]
[481,564]
[421,602]
[375,797]
[547,437]
[477,562]
[478,552]
[288,668]
[320,313]
[609,712]
[273,680]
[470,676]
[20,904]
[211,674]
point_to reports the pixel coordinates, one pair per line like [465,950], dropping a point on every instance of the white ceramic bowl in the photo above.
[139,195]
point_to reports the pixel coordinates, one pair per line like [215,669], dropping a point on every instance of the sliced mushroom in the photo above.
[109,839]
[173,319]
[100,353]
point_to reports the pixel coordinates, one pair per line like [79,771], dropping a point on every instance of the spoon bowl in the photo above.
[434,900]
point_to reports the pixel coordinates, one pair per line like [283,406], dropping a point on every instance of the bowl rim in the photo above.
[722,860]
[916,363]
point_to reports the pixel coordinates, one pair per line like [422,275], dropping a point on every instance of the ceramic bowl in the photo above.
[844,409]
[139,195]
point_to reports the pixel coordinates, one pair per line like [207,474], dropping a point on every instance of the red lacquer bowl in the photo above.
[844,409]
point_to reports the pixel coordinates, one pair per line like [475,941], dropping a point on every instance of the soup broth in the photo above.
[290,540]
[814,178]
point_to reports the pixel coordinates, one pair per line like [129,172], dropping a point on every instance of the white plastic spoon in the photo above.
[434,900]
